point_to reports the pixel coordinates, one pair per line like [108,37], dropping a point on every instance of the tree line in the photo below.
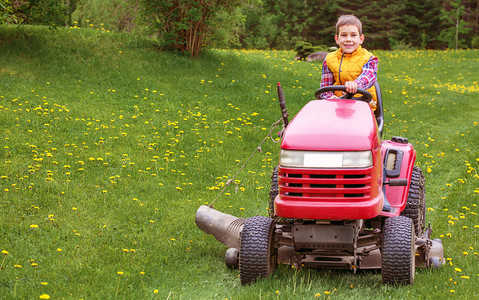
[190,25]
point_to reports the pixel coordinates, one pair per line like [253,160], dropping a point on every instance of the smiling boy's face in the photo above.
[349,38]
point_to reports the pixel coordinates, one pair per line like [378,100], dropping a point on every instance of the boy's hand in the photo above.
[351,86]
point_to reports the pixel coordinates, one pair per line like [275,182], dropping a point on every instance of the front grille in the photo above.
[325,184]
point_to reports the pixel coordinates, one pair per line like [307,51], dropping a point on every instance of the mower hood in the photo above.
[332,125]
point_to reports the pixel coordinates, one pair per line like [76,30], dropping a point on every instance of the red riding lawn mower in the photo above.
[341,198]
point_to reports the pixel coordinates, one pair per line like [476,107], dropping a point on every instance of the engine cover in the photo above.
[332,125]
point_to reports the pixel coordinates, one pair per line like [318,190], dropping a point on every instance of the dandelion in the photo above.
[4,252]
[45,296]
[120,273]
[155,291]
[317,295]
[33,226]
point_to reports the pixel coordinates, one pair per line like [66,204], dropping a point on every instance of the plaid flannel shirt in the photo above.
[365,80]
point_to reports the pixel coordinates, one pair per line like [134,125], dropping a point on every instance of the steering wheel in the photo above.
[364,95]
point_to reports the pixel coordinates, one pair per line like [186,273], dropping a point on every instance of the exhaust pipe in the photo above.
[225,228]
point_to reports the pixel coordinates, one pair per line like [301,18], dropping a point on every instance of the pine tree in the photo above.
[419,23]
[453,25]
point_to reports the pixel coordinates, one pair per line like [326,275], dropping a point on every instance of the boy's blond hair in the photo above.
[349,20]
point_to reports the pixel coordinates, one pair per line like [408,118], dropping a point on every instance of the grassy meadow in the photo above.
[108,147]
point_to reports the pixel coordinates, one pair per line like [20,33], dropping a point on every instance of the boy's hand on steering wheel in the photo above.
[351,86]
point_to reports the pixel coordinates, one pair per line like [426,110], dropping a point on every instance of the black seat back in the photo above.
[379,112]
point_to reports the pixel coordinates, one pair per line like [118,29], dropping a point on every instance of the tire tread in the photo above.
[255,258]
[398,254]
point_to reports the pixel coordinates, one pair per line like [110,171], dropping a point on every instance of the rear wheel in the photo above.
[398,252]
[274,191]
[416,201]
[257,257]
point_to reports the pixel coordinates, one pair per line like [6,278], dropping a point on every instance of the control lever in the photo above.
[396,182]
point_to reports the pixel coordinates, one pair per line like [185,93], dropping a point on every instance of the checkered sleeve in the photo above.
[327,79]
[369,74]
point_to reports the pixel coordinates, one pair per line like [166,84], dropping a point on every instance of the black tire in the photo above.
[257,257]
[398,253]
[416,201]
[273,191]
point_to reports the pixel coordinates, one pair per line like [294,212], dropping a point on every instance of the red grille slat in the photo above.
[327,171]
[327,199]
[308,190]
[364,180]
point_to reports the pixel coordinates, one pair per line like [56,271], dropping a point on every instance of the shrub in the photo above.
[184,25]
[475,42]
[303,49]
[44,12]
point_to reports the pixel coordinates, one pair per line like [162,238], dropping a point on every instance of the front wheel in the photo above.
[274,191]
[398,253]
[257,257]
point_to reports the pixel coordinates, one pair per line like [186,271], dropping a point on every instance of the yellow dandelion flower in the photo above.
[45,296]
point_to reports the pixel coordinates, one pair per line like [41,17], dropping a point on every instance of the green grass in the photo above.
[108,147]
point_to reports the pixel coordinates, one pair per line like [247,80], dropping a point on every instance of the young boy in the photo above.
[350,65]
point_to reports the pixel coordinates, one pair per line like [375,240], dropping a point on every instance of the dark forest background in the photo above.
[190,25]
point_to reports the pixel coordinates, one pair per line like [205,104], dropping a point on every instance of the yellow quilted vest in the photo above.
[347,67]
